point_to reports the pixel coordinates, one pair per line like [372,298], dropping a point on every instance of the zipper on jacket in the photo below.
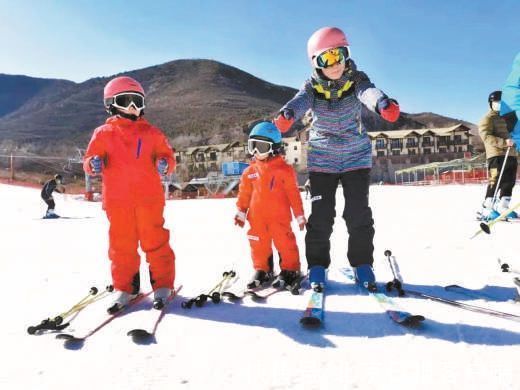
[138,152]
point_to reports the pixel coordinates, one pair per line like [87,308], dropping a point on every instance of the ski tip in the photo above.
[141,336]
[254,296]
[65,336]
[231,296]
[71,342]
[310,322]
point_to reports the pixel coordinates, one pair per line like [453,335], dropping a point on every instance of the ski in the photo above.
[465,306]
[142,336]
[257,294]
[391,308]
[74,342]
[261,293]
[313,315]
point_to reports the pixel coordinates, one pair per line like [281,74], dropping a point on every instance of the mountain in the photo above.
[193,101]
[15,90]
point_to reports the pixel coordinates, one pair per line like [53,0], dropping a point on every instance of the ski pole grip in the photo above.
[388,252]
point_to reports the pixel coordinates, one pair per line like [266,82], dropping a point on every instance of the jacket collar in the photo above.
[124,122]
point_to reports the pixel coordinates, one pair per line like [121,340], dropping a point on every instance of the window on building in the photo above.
[295,147]
[380,153]
[411,151]
[380,143]
[178,159]
[396,143]
[442,150]
[296,161]
[213,156]
[411,142]
[427,151]
[396,152]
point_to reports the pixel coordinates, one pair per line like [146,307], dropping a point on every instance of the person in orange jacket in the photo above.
[267,193]
[131,154]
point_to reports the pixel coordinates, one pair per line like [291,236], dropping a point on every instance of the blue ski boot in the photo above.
[50,214]
[365,277]
[317,278]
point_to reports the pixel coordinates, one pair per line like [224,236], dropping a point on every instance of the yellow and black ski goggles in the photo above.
[332,57]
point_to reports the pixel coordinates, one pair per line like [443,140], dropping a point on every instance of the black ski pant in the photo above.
[50,203]
[357,215]
[507,182]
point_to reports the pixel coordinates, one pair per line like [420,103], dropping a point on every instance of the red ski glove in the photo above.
[284,120]
[388,109]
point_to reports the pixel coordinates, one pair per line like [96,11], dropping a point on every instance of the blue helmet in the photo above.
[266,131]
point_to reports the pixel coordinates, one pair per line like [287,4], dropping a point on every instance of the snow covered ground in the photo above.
[47,265]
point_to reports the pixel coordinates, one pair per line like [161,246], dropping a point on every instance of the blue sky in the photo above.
[443,56]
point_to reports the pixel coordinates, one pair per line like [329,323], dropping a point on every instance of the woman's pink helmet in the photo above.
[323,39]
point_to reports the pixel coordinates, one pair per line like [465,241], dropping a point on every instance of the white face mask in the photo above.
[495,106]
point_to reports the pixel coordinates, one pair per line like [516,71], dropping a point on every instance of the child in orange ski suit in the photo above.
[131,154]
[267,192]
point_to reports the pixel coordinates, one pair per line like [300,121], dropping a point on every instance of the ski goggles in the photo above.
[259,146]
[332,57]
[127,99]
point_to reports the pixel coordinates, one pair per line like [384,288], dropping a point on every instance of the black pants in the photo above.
[507,182]
[50,203]
[357,215]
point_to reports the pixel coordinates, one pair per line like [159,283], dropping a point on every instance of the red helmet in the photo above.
[121,84]
[325,38]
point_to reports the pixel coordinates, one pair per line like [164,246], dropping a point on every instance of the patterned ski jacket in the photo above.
[338,141]
[268,190]
[129,150]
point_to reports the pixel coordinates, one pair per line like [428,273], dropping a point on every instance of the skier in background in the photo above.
[54,184]
[339,151]
[497,142]
[268,191]
[131,154]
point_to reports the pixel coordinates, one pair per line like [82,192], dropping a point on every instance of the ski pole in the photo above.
[500,175]
[396,283]
[486,227]
[56,323]
[213,294]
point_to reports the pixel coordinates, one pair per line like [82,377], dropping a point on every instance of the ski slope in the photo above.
[48,265]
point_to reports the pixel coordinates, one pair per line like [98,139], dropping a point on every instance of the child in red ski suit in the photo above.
[131,154]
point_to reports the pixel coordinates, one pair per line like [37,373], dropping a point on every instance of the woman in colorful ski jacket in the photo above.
[339,149]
